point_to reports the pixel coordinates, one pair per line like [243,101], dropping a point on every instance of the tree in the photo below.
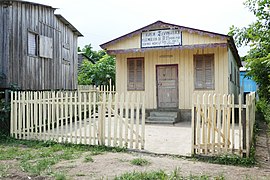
[93,55]
[98,74]
[257,36]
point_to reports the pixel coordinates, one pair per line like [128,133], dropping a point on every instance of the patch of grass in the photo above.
[94,153]
[230,159]
[59,176]
[140,162]
[3,170]
[38,166]
[37,157]
[88,158]
[162,175]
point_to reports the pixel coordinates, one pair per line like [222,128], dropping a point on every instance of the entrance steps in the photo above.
[163,117]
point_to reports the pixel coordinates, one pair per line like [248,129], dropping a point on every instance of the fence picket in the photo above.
[192,124]
[42,103]
[138,139]
[115,119]
[142,140]
[90,118]
[247,124]
[109,118]
[240,127]
[14,126]
[94,118]
[132,103]
[126,117]
[214,115]
[13,110]
[17,130]
[204,122]
[233,122]
[198,126]
[80,116]
[219,123]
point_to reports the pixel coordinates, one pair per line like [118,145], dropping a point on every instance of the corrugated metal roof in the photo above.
[25,2]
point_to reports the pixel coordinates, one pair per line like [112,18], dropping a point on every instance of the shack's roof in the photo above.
[59,16]
[161,24]
[25,2]
[68,24]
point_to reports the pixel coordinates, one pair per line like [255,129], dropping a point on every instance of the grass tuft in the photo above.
[230,159]
[162,175]
[88,158]
[59,176]
[140,162]
[3,170]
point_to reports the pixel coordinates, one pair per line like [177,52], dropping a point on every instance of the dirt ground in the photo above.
[108,165]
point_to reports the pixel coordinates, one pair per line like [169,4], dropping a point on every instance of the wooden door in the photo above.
[167,86]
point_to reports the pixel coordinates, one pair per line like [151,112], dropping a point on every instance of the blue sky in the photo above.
[103,20]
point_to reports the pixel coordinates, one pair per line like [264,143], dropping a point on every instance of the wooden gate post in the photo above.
[101,118]
[193,124]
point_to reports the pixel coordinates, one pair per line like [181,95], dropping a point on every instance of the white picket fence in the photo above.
[103,88]
[79,117]
[215,129]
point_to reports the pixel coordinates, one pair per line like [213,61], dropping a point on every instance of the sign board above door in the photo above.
[161,38]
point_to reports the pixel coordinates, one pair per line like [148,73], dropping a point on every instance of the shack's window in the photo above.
[32,44]
[135,68]
[45,47]
[204,71]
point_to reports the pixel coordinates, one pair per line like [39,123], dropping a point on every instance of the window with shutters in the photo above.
[204,71]
[32,46]
[135,72]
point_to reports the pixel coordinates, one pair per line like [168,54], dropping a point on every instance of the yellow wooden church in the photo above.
[170,62]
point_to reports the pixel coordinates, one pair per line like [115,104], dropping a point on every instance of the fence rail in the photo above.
[220,126]
[86,117]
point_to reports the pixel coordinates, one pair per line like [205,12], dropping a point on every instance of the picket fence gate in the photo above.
[79,117]
[219,126]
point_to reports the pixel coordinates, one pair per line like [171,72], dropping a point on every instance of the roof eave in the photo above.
[67,23]
[234,50]
[104,45]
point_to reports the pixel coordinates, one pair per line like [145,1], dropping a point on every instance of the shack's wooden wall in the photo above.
[187,39]
[184,60]
[3,46]
[234,86]
[35,72]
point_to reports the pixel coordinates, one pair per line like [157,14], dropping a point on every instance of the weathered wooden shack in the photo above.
[169,63]
[38,48]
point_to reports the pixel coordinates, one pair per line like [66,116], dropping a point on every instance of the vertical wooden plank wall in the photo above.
[35,72]
[184,60]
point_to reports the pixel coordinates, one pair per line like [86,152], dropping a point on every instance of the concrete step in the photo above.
[162,117]
[163,114]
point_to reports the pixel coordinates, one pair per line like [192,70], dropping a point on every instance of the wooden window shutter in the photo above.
[204,71]
[199,72]
[131,74]
[45,47]
[139,75]
[32,44]
[209,72]
[135,74]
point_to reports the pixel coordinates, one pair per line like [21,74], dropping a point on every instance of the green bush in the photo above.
[264,109]
[4,115]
